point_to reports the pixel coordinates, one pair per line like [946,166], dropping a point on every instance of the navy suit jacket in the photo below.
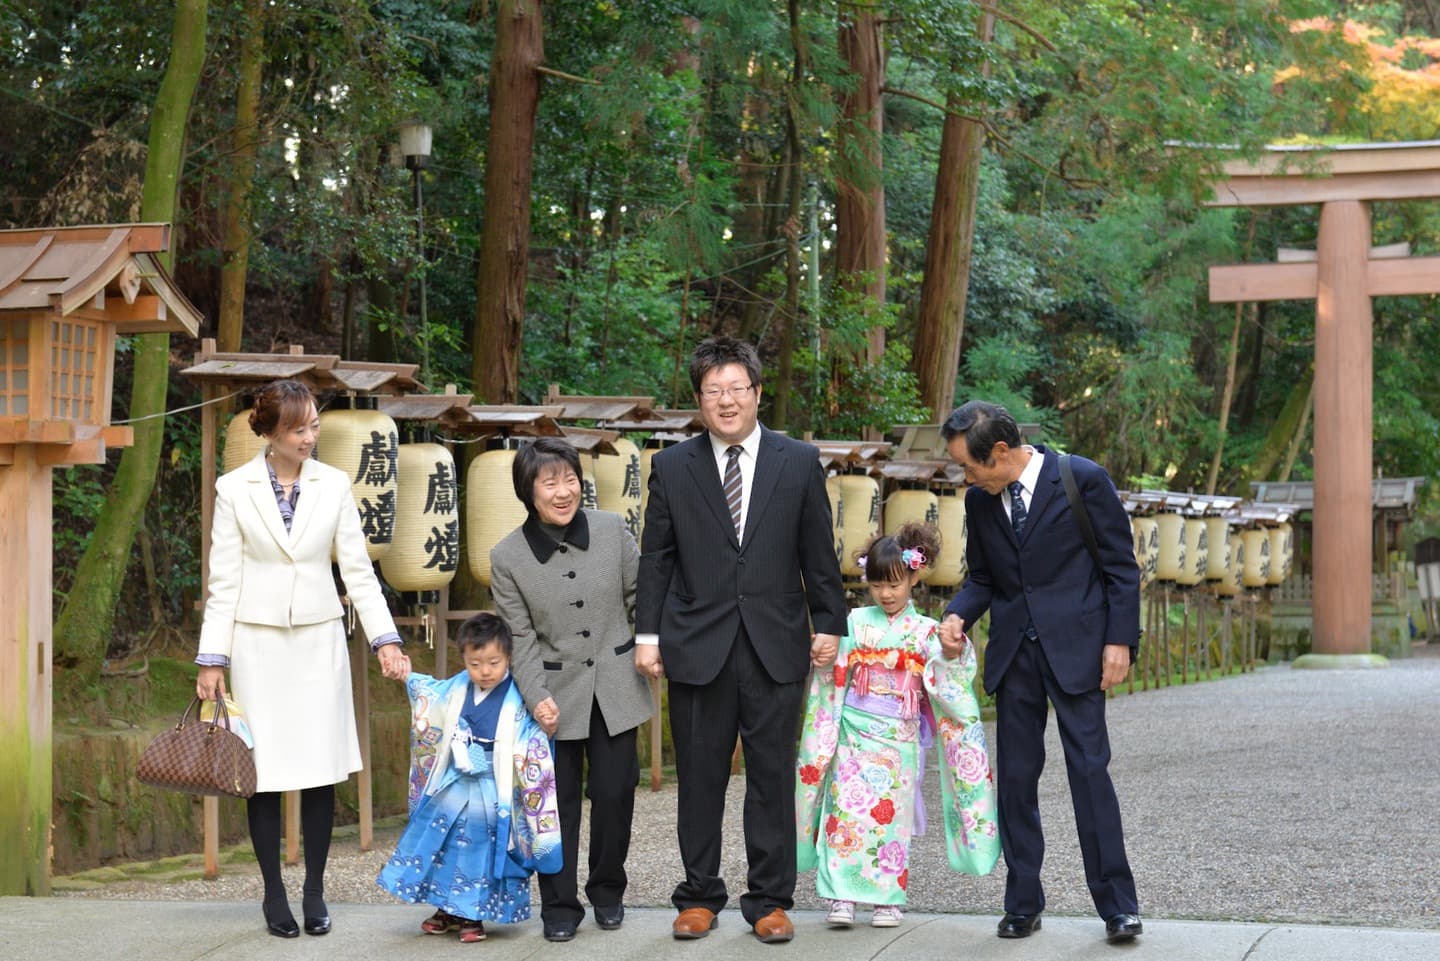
[698,583]
[1049,579]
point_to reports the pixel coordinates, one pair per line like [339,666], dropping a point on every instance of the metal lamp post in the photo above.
[415,146]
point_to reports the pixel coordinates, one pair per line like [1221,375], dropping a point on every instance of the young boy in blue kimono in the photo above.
[482,793]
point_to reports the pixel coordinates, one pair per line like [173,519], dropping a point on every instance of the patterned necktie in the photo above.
[734,485]
[1017,509]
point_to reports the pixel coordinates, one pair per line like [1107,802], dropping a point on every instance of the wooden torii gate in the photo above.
[1342,279]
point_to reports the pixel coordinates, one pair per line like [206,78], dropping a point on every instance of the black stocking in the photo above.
[263,813]
[317,819]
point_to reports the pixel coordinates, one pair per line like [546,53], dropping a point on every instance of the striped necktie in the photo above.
[734,485]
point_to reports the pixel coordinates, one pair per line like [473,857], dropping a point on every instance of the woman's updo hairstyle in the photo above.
[280,405]
[891,557]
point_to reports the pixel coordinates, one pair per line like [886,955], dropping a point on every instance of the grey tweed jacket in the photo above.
[569,606]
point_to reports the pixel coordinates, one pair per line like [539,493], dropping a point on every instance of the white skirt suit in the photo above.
[273,611]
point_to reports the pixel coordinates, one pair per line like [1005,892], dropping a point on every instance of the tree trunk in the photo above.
[940,325]
[860,187]
[1286,424]
[794,165]
[505,239]
[235,258]
[83,630]
[1226,399]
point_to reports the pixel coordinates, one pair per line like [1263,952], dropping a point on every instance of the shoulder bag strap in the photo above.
[1077,509]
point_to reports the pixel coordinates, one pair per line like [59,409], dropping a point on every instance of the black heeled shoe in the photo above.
[278,919]
[317,915]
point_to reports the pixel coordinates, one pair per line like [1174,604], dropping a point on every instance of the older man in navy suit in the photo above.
[737,568]
[1064,627]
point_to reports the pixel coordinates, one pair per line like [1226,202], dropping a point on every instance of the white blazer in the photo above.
[260,574]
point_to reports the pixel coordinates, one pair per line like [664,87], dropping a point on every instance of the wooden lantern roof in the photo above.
[108,274]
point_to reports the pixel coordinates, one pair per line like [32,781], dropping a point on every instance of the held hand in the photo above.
[647,661]
[210,683]
[1114,665]
[394,663]
[823,648]
[952,636]
[547,715]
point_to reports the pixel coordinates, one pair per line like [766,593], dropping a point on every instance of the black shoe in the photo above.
[317,915]
[1120,928]
[278,919]
[609,917]
[559,930]
[1018,925]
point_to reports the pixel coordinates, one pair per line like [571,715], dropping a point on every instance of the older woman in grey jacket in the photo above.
[564,581]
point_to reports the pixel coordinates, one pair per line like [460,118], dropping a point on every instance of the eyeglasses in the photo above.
[734,390]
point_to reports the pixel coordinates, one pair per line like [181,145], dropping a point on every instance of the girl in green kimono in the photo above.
[868,721]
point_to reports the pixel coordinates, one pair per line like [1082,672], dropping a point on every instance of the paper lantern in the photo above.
[1229,585]
[365,446]
[1282,553]
[1217,534]
[1147,534]
[950,570]
[1192,569]
[860,509]
[1256,570]
[589,495]
[837,516]
[491,508]
[909,506]
[617,484]
[425,551]
[646,456]
[241,443]
[1170,560]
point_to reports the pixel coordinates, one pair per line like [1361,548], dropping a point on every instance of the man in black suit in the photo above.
[737,564]
[1064,626]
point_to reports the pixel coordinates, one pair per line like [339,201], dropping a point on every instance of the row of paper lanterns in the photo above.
[409,506]
[1190,551]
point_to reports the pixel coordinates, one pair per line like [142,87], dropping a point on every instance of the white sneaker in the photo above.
[886,916]
[842,914]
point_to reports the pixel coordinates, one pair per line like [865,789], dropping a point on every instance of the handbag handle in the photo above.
[221,713]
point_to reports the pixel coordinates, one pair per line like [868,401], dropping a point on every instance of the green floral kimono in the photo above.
[867,723]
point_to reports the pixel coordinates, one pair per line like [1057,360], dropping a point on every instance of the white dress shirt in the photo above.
[1029,477]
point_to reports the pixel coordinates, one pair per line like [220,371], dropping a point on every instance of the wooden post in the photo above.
[1343,430]
[210,806]
[25,674]
[360,684]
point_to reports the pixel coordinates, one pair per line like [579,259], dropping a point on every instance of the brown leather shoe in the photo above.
[693,923]
[774,928]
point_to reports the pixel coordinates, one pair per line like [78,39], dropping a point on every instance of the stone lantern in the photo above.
[65,295]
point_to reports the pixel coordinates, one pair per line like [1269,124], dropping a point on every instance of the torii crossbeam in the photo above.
[1341,280]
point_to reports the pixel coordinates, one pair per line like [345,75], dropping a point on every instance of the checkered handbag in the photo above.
[199,757]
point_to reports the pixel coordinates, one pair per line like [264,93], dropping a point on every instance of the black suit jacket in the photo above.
[1049,578]
[698,584]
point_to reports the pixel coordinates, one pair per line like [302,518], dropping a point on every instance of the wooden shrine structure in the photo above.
[1342,278]
[66,293]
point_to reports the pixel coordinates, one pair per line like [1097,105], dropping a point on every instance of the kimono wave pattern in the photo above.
[467,862]
[858,789]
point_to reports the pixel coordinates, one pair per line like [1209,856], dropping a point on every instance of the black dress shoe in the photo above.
[559,930]
[317,915]
[1120,928]
[609,916]
[1018,925]
[279,921]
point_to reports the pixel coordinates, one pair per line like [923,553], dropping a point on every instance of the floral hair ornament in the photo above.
[913,558]
[860,562]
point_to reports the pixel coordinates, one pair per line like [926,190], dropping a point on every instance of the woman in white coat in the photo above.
[274,619]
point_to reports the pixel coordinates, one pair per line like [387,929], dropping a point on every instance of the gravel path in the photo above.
[1283,795]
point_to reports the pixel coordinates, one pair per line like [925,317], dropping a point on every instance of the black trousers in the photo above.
[1020,717]
[705,719]
[614,770]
